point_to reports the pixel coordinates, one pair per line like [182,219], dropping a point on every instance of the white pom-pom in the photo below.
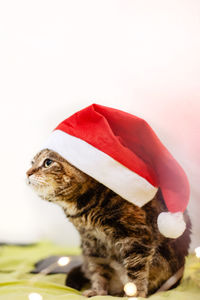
[171,225]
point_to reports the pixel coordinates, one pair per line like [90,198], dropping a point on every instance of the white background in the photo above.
[57,57]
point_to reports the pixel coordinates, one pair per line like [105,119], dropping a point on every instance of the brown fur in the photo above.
[120,241]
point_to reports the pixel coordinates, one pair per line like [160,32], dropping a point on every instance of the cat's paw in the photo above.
[141,294]
[91,293]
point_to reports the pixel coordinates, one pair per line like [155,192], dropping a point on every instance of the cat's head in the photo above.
[54,179]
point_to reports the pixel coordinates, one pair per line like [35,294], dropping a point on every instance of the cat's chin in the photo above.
[47,198]
[52,199]
[42,195]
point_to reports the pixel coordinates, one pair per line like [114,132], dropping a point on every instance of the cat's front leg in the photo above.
[99,274]
[136,264]
[137,272]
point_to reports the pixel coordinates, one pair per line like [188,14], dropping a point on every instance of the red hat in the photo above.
[122,152]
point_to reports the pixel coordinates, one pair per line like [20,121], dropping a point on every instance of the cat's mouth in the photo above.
[41,187]
[47,190]
[36,181]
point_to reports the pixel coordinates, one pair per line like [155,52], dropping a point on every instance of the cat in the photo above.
[120,242]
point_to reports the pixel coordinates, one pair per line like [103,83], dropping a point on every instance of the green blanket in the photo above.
[16,283]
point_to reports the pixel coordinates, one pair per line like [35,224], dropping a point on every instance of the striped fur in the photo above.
[120,242]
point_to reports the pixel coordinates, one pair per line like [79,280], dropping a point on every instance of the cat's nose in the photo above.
[29,172]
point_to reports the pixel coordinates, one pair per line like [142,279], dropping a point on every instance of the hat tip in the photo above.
[171,225]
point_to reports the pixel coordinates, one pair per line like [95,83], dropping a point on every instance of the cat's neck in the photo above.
[84,201]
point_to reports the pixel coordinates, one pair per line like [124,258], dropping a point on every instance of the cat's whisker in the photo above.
[36,180]
[40,179]
[43,182]
[39,183]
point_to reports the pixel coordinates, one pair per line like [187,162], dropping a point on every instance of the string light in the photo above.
[35,296]
[63,261]
[130,289]
[197,251]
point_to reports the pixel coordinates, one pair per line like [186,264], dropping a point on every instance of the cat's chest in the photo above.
[97,240]
[97,243]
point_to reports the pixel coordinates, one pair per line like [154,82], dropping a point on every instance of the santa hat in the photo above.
[122,152]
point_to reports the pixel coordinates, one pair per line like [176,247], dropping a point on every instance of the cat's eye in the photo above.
[47,162]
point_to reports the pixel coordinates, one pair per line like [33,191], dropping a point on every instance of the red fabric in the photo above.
[131,141]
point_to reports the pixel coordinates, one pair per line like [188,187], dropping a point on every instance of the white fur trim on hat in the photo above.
[102,167]
[171,225]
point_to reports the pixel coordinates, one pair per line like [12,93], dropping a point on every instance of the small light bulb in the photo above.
[130,289]
[63,261]
[197,251]
[35,296]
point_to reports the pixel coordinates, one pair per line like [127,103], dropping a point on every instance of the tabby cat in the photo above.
[120,242]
